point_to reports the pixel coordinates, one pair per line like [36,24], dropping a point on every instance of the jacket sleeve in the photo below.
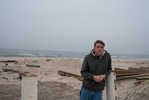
[109,67]
[85,70]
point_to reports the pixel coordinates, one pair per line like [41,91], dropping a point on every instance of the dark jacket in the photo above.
[93,65]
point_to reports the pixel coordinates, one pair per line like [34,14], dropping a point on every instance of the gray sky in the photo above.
[73,25]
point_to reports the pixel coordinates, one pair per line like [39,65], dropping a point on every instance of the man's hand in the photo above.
[99,78]
[102,76]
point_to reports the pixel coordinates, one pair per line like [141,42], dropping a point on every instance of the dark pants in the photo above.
[89,95]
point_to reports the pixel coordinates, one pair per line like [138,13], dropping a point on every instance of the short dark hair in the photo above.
[99,41]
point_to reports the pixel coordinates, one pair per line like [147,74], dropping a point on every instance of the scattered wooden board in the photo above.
[28,65]
[63,73]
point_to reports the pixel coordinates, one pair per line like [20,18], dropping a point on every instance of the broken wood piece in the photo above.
[9,70]
[5,78]
[138,82]
[119,69]
[21,74]
[28,65]
[10,61]
[142,78]
[49,60]
[63,73]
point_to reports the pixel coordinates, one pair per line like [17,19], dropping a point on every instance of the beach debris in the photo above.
[132,76]
[35,61]
[9,70]
[22,74]
[10,61]
[141,73]
[140,68]
[5,78]
[49,60]
[63,73]
[142,78]
[28,65]
[6,64]
[15,71]
[141,63]
[131,71]
[119,69]
[138,81]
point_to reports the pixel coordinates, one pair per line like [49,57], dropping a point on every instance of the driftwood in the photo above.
[15,71]
[21,74]
[4,78]
[63,73]
[10,61]
[9,70]
[28,65]
[138,81]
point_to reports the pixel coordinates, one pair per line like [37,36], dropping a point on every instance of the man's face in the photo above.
[99,48]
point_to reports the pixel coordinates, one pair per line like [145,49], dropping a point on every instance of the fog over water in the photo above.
[74,25]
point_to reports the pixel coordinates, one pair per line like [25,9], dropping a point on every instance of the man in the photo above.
[95,69]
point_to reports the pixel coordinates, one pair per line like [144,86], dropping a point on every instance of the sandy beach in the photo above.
[51,85]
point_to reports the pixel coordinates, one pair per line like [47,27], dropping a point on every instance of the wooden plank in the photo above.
[144,67]
[142,78]
[130,71]
[9,61]
[119,76]
[138,81]
[9,70]
[63,73]
[21,74]
[28,65]
[126,74]
[140,68]
[119,69]
[132,76]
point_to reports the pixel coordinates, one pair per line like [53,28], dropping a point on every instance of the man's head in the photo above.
[99,47]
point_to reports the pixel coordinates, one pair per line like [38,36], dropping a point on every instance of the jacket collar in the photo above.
[93,53]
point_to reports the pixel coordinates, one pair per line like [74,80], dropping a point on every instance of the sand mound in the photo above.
[140,92]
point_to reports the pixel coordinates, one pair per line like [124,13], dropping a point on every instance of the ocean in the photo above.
[40,53]
[57,54]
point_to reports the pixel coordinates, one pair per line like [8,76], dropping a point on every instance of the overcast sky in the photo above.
[73,25]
